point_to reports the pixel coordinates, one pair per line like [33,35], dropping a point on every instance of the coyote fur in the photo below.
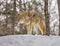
[33,22]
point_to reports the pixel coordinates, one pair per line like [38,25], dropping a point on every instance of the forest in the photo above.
[29,17]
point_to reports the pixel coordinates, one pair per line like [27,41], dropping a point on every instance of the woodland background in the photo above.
[9,8]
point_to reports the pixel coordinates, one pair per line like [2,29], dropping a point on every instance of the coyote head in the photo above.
[23,17]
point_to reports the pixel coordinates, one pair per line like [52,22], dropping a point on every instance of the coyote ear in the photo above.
[30,14]
[33,15]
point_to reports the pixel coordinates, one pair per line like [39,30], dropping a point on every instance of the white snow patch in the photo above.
[29,40]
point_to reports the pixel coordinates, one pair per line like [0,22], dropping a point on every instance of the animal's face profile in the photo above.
[23,17]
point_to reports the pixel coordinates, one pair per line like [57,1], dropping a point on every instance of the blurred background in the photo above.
[10,8]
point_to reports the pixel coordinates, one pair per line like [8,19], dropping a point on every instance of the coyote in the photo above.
[33,22]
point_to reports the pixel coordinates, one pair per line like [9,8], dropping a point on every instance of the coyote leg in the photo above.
[29,29]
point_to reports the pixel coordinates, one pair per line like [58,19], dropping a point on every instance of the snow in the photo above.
[29,40]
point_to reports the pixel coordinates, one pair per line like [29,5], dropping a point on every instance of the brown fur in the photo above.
[31,20]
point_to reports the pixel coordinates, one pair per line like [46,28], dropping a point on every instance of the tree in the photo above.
[47,18]
[59,14]
[6,13]
[24,5]
[13,16]
[20,5]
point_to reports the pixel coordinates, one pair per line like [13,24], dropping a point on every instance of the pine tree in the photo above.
[59,14]
[47,18]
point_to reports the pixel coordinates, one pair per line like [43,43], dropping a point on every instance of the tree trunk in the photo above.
[20,5]
[24,5]
[6,14]
[13,17]
[59,14]
[47,18]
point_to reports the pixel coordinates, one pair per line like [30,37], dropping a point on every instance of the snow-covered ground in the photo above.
[29,40]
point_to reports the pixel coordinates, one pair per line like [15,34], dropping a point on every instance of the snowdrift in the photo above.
[29,40]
